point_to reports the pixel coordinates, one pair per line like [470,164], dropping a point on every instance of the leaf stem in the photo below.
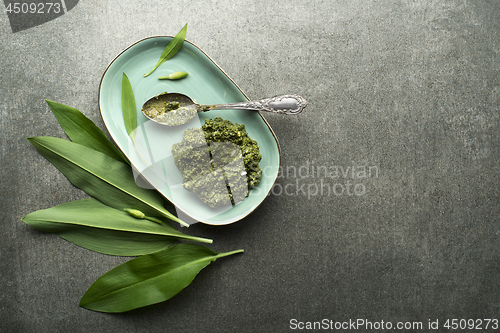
[225,254]
[149,72]
[152,219]
[198,239]
[176,219]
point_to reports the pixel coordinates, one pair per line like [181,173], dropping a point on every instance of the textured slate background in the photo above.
[411,88]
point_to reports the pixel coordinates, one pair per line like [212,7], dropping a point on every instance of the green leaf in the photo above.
[97,227]
[129,110]
[82,130]
[101,176]
[171,49]
[149,279]
[128,107]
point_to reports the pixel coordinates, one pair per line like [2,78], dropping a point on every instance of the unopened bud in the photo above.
[135,213]
[174,76]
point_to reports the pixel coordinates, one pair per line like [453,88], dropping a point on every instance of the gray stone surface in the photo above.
[409,88]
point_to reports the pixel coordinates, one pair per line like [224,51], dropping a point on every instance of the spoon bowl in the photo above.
[173,109]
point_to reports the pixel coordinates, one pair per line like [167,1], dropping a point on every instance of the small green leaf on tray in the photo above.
[174,76]
[90,224]
[128,107]
[149,279]
[82,130]
[171,49]
[129,110]
[101,176]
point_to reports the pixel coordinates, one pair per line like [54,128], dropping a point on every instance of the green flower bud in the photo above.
[135,213]
[174,76]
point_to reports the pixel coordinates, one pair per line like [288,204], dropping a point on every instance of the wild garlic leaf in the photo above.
[149,279]
[101,176]
[82,130]
[128,107]
[172,47]
[129,111]
[90,224]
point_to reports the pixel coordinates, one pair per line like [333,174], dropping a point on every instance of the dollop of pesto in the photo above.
[170,113]
[219,162]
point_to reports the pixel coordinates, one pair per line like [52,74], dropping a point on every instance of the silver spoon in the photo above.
[174,109]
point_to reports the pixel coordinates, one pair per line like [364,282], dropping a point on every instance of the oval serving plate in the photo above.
[151,155]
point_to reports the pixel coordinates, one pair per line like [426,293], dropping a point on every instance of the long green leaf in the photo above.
[128,107]
[149,279]
[129,110]
[101,176]
[172,47]
[82,130]
[97,227]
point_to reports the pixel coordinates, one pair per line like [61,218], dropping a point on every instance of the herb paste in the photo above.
[170,113]
[219,162]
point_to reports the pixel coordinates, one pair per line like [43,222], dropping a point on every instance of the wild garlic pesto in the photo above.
[219,162]
[169,106]
[168,112]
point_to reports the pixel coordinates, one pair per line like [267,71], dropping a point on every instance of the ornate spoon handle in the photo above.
[288,104]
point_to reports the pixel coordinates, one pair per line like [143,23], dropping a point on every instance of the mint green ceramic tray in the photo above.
[207,84]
